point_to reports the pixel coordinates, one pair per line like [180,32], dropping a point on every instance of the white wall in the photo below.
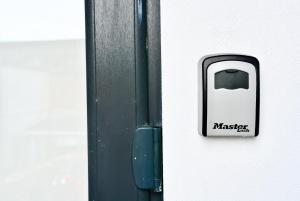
[41,20]
[205,169]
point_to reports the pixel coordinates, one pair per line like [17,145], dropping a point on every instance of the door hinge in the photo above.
[147,158]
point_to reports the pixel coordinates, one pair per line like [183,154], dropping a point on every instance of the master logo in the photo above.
[238,127]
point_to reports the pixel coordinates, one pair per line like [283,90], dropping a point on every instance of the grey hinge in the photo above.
[147,158]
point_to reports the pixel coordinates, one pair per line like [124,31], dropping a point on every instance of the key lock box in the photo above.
[230,96]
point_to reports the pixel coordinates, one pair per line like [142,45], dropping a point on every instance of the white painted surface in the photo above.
[32,20]
[43,131]
[235,169]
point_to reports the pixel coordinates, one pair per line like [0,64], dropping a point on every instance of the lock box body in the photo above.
[230,95]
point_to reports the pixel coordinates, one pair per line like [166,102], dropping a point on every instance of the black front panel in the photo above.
[231,79]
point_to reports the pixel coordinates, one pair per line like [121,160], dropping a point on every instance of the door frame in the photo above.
[123,64]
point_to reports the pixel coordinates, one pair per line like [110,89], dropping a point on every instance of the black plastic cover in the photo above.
[231,79]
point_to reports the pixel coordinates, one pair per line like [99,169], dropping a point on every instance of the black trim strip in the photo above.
[154,76]
[218,58]
[91,96]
